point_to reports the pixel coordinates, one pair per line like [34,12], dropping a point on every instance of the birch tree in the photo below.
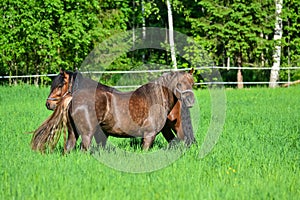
[171,34]
[277,37]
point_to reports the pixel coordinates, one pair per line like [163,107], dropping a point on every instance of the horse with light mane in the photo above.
[101,111]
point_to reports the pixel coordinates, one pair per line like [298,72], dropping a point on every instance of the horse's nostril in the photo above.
[47,105]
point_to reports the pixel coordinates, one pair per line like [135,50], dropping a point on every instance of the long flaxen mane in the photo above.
[48,134]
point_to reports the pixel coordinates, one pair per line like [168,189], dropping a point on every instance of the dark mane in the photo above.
[168,79]
[59,80]
[81,82]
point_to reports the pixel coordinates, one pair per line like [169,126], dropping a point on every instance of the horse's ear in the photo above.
[61,71]
[192,71]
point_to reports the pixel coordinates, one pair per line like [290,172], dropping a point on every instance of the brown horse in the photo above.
[140,113]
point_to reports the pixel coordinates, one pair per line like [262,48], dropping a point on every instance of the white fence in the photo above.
[289,69]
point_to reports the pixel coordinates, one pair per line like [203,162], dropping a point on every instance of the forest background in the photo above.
[42,36]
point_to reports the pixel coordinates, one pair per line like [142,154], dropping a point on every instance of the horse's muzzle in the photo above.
[50,106]
[189,100]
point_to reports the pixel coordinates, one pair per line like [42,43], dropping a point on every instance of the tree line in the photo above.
[40,37]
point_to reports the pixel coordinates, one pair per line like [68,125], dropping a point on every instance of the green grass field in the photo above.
[256,157]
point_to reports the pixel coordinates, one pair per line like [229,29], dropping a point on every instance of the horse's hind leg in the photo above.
[167,133]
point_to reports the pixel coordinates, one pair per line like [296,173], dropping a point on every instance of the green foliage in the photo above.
[39,37]
[259,144]
[291,41]
[236,30]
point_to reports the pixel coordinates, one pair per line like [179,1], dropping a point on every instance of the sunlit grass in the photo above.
[256,157]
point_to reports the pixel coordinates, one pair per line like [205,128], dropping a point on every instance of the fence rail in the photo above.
[167,70]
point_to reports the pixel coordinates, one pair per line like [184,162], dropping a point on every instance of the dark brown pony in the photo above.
[154,107]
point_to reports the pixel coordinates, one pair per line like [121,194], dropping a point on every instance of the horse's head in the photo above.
[184,88]
[60,87]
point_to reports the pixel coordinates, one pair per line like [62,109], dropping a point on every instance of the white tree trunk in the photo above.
[144,21]
[133,28]
[171,35]
[143,28]
[240,80]
[274,76]
[228,63]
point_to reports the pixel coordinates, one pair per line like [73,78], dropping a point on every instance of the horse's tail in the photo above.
[187,127]
[48,134]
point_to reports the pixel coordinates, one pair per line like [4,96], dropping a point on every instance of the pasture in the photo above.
[256,157]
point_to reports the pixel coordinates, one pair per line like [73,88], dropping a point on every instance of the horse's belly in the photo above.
[131,129]
[118,130]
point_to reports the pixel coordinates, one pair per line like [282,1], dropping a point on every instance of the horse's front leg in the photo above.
[87,134]
[86,140]
[179,131]
[71,141]
[72,136]
[86,123]
[148,140]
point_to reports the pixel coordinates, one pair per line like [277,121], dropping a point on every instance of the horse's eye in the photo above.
[179,85]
